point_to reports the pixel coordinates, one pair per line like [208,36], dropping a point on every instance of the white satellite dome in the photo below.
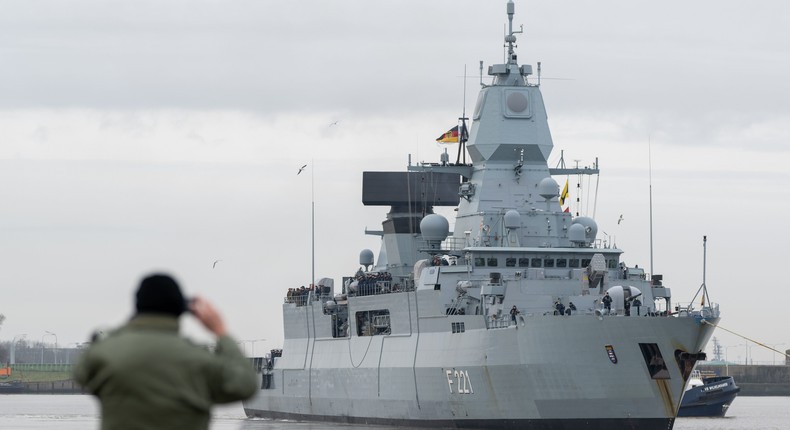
[366,257]
[435,227]
[590,227]
[577,233]
[548,188]
[512,219]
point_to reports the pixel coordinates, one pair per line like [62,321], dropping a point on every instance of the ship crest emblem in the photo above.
[611,354]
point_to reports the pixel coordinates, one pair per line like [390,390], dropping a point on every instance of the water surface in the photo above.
[81,412]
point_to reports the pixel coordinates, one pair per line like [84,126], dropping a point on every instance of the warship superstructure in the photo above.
[518,318]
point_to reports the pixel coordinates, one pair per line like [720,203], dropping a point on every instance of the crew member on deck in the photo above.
[560,308]
[607,303]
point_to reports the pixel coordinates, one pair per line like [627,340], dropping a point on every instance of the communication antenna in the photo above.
[650,194]
[578,188]
[481,73]
[703,288]
[463,133]
[312,222]
[510,38]
[597,181]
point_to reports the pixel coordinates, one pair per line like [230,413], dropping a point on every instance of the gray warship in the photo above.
[519,318]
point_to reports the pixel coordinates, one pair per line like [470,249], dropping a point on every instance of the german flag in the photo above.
[449,137]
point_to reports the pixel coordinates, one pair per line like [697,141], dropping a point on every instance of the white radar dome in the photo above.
[366,257]
[590,227]
[512,219]
[435,227]
[577,233]
[548,188]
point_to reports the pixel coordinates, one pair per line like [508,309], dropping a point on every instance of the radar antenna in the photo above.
[510,39]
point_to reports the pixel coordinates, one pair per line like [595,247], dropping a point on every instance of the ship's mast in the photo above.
[463,133]
[510,38]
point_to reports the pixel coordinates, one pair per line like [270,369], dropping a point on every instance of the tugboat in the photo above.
[518,318]
[12,387]
[708,396]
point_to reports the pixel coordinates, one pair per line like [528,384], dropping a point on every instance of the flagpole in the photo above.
[704,271]
[312,217]
[462,133]
[650,193]
[312,220]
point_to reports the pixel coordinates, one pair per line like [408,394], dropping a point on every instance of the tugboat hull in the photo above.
[712,399]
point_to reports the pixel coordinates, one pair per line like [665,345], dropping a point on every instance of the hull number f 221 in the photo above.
[458,382]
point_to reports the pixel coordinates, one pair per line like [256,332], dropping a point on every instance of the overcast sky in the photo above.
[166,135]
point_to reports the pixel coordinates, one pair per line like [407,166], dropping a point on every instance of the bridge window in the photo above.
[611,263]
[536,262]
[510,262]
[585,262]
[573,262]
[548,262]
[523,262]
[492,262]
[561,262]
[458,327]
[480,261]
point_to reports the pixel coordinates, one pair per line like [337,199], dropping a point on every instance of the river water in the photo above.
[80,412]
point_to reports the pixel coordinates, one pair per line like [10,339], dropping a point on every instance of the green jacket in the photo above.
[148,377]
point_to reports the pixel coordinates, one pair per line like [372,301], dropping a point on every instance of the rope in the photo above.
[351,356]
[747,338]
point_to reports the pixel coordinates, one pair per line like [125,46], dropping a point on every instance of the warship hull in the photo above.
[540,372]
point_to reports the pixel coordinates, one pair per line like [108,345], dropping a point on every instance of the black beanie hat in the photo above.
[160,294]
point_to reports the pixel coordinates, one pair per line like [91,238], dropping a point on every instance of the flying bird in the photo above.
[334,123]
[620,220]
[301,168]
[214,266]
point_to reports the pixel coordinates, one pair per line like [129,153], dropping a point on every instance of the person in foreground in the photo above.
[148,377]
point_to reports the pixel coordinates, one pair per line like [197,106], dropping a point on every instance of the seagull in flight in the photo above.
[334,123]
[214,266]
[620,220]
[301,168]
